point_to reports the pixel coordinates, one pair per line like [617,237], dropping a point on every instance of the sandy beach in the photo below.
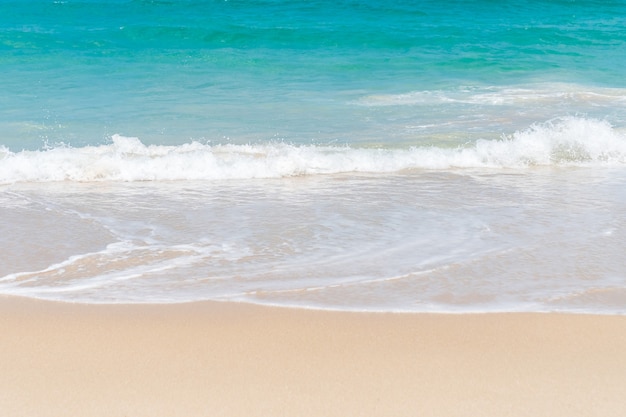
[227,359]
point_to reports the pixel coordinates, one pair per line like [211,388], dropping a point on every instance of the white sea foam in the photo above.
[570,141]
[541,94]
[448,241]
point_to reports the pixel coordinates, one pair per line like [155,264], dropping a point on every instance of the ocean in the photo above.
[349,154]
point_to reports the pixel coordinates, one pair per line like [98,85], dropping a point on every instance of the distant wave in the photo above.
[571,141]
[503,95]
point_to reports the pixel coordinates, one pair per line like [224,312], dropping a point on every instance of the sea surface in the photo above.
[460,156]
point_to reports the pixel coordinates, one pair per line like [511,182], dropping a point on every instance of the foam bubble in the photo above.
[570,141]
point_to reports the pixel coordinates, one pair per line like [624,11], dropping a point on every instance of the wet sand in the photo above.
[228,359]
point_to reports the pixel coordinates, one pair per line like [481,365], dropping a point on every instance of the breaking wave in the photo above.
[571,141]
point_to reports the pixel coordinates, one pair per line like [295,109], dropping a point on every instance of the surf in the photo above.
[569,141]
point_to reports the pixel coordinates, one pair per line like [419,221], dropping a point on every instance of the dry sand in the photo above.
[227,359]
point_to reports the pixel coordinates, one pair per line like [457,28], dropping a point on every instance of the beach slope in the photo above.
[228,359]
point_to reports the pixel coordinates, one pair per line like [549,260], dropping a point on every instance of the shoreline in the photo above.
[235,359]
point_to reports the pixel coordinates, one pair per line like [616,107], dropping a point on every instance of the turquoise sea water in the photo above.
[402,155]
[77,72]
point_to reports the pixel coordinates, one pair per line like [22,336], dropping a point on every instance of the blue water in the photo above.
[78,72]
[509,117]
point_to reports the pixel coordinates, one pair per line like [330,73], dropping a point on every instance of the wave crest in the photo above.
[568,141]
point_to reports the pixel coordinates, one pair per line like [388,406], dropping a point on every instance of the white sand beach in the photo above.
[228,359]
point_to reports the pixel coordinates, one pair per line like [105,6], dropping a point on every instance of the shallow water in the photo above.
[470,240]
